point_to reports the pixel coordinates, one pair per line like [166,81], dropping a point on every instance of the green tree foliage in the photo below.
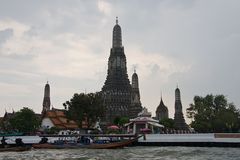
[213,114]
[167,122]
[25,121]
[116,120]
[121,121]
[52,130]
[87,107]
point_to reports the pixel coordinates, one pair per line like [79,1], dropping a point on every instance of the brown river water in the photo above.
[128,153]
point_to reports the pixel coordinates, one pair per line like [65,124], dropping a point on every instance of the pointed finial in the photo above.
[177,85]
[134,69]
[161,97]
[116,20]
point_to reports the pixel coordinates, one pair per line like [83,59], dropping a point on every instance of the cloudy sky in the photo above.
[194,44]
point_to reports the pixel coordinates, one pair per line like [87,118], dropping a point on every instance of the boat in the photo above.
[15,149]
[56,146]
[113,145]
[109,145]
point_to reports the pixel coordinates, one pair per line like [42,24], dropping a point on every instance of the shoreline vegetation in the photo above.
[209,114]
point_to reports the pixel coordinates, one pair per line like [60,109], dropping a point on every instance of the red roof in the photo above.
[60,120]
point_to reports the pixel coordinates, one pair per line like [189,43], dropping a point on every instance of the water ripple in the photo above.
[131,153]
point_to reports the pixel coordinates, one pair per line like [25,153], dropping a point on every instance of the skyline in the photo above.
[189,43]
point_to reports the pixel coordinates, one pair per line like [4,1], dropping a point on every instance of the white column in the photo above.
[146,125]
[134,128]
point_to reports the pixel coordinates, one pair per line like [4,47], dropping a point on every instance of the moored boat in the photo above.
[109,145]
[56,146]
[15,149]
[113,145]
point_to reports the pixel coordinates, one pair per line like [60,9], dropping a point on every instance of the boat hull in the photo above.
[113,145]
[15,149]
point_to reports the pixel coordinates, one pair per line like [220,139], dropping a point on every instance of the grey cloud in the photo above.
[203,33]
[18,57]
[155,68]
[5,34]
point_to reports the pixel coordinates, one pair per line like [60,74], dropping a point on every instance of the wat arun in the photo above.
[117,90]
[179,120]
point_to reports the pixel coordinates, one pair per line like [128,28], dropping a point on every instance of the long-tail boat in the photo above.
[112,145]
[108,145]
[15,149]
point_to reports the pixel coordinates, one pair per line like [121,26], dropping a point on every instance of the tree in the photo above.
[52,130]
[116,120]
[121,121]
[167,122]
[25,121]
[213,114]
[87,107]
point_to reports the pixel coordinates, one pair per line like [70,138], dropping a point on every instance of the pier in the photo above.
[193,140]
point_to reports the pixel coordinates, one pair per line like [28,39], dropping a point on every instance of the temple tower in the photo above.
[46,99]
[162,111]
[178,116]
[136,106]
[117,89]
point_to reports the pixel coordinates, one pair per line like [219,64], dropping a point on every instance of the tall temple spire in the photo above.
[162,110]
[46,99]
[178,116]
[178,96]
[117,89]
[117,35]
[136,105]
[135,80]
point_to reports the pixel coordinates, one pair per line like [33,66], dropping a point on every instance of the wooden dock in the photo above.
[193,140]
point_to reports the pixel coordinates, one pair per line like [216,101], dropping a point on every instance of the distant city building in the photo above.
[179,120]
[46,99]
[117,89]
[136,106]
[162,111]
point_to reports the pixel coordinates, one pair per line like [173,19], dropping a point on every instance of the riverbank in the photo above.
[194,140]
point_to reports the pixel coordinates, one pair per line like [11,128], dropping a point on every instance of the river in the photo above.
[129,153]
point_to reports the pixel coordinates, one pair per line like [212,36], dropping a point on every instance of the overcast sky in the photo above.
[194,44]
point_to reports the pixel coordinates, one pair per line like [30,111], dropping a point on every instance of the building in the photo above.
[57,118]
[143,123]
[54,117]
[5,124]
[162,111]
[179,120]
[136,106]
[46,100]
[117,89]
